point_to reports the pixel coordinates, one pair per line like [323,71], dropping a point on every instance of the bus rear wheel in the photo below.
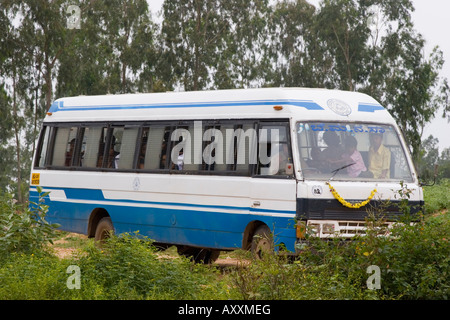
[104,229]
[262,242]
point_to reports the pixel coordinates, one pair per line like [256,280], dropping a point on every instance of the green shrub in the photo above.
[437,197]
[32,277]
[128,267]
[24,229]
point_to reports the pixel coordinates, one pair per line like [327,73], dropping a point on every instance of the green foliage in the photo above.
[414,262]
[125,267]
[437,197]
[128,267]
[24,230]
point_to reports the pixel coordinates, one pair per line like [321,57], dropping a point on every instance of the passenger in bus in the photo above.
[352,155]
[69,153]
[114,156]
[141,159]
[334,149]
[379,157]
[283,159]
[323,160]
[180,160]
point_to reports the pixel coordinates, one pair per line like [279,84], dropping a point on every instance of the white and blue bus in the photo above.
[211,171]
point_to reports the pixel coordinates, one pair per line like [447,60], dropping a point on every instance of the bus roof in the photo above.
[297,103]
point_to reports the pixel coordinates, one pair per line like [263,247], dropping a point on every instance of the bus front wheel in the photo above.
[104,229]
[262,242]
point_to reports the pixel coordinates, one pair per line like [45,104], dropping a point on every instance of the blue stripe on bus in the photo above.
[308,104]
[170,225]
[362,107]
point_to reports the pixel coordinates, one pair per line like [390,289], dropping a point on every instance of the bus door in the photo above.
[273,186]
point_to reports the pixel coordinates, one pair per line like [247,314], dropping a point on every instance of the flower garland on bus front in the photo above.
[348,204]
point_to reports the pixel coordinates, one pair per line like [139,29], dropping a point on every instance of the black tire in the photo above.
[262,242]
[199,255]
[104,229]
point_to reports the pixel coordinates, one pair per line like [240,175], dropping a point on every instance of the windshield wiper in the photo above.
[334,172]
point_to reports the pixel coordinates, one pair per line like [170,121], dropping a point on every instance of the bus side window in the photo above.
[220,144]
[64,146]
[164,154]
[92,147]
[113,149]
[180,147]
[142,147]
[274,151]
[44,142]
[240,146]
[128,148]
[150,151]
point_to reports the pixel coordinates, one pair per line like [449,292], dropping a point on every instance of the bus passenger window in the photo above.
[92,147]
[213,148]
[164,154]
[127,148]
[41,157]
[115,144]
[150,155]
[241,148]
[63,148]
[69,152]
[274,151]
[180,149]
[143,148]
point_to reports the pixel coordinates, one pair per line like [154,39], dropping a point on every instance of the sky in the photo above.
[431,19]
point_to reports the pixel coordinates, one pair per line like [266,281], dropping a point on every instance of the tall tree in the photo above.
[244,59]
[112,51]
[296,59]
[192,40]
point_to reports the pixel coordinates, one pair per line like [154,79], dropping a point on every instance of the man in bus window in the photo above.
[333,152]
[141,160]
[114,156]
[379,157]
[69,153]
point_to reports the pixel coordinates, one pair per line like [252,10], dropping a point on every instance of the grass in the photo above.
[437,197]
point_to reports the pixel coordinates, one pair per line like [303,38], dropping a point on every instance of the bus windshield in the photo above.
[351,151]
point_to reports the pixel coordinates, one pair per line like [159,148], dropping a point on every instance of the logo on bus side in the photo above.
[339,107]
[136,184]
[316,190]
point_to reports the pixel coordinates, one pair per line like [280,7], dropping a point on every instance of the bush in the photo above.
[437,197]
[128,267]
[24,229]
[33,277]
